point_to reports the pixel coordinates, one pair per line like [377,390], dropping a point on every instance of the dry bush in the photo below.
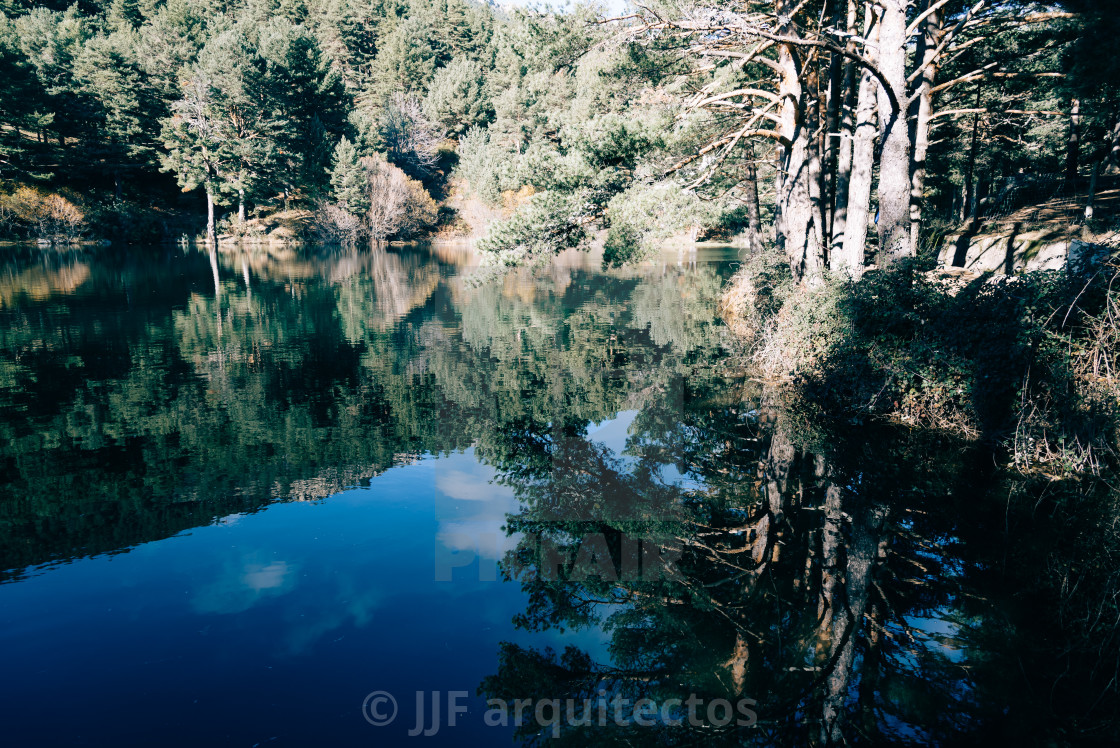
[388,193]
[421,210]
[409,137]
[335,223]
[1097,363]
[399,206]
[43,215]
[755,294]
[1076,429]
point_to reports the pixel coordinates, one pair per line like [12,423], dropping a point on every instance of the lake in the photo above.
[266,501]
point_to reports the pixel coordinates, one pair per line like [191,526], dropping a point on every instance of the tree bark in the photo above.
[927,47]
[241,206]
[863,163]
[211,233]
[1073,145]
[817,192]
[796,233]
[894,163]
[843,147]
[750,198]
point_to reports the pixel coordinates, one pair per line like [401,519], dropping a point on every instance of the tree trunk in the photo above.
[970,207]
[863,164]
[812,126]
[927,45]
[750,198]
[241,207]
[894,162]
[1092,191]
[1073,145]
[796,234]
[211,233]
[844,136]
[836,97]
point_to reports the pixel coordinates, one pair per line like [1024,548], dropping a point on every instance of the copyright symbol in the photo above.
[379,708]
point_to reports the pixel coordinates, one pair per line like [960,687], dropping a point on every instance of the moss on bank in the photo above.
[1028,363]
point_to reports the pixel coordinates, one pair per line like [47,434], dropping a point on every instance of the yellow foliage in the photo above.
[45,214]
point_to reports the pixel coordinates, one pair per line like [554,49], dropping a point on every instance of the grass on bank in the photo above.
[1028,362]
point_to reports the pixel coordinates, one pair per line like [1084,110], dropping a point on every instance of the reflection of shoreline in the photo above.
[41,282]
[149,402]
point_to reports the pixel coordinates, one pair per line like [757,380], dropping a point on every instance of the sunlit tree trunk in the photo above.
[863,164]
[845,133]
[750,198]
[241,206]
[927,46]
[894,163]
[797,234]
[211,233]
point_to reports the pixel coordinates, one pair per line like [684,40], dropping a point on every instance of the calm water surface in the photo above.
[239,494]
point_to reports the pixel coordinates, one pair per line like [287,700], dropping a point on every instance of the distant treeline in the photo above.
[795,122]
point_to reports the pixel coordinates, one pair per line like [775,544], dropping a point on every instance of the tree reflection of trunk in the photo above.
[846,582]
[217,288]
[245,275]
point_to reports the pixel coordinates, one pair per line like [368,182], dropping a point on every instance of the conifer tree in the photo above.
[196,145]
[457,98]
[349,182]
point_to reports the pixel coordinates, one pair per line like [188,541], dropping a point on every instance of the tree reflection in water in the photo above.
[863,584]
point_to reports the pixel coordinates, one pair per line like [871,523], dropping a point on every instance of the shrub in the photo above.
[410,140]
[396,206]
[335,223]
[1027,362]
[43,215]
[547,223]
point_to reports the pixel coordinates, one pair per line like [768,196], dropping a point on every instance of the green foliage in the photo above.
[487,167]
[307,99]
[406,61]
[547,223]
[457,98]
[349,183]
[644,214]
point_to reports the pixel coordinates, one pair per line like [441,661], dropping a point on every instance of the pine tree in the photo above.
[124,15]
[348,179]
[306,99]
[457,98]
[197,145]
[235,72]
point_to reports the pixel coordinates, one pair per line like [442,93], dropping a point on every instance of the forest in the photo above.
[846,133]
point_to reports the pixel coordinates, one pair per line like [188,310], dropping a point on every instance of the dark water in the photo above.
[241,496]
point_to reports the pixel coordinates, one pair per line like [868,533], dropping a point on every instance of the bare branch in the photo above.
[952,34]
